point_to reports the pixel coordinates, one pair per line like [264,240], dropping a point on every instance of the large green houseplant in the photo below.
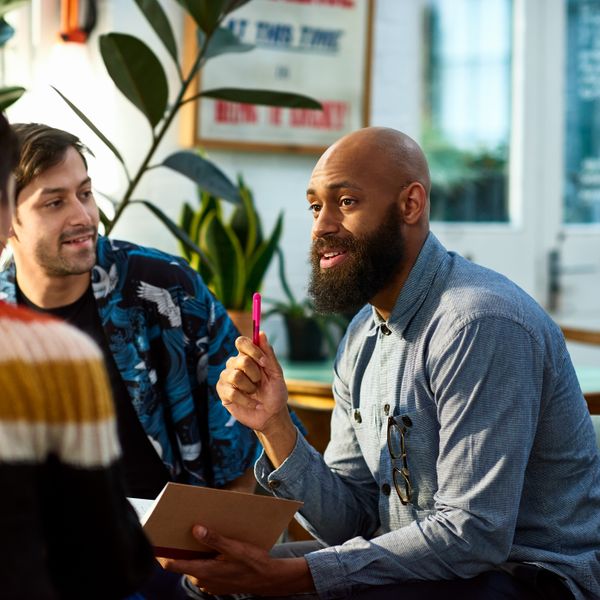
[140,76]
[236,253]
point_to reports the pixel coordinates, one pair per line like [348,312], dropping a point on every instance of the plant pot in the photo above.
[242,319]
[305,339]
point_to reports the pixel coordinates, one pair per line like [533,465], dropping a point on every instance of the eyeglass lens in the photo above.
[396,439]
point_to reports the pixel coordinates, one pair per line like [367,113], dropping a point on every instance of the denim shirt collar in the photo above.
[415,288]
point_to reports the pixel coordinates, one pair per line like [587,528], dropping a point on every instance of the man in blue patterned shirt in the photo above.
[164,336]
[462,461]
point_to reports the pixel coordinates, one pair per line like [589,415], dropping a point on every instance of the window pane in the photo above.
[467,117]
[582,157]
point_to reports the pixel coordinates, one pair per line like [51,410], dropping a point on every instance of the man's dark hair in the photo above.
[9,157]
[42,147]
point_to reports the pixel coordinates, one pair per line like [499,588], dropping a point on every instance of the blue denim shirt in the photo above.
[501,451]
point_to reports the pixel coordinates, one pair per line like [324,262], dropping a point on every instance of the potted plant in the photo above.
[236,254]
[311,336]
[141,77]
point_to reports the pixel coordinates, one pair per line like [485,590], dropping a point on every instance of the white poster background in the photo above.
[313,47]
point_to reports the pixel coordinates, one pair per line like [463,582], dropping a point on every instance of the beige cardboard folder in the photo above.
[246,517]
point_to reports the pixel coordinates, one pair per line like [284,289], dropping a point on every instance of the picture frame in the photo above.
[319,49]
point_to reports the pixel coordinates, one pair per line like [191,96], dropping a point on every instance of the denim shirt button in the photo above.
[273,485]
[386,489]
[386,409]
[385,329]
[357,416]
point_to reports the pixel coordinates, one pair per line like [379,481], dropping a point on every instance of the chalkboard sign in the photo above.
[582,163]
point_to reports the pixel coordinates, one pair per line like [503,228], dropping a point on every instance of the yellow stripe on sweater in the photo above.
[51,372]
[55,392]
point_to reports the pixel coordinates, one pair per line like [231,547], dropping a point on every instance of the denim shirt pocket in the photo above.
[363,420]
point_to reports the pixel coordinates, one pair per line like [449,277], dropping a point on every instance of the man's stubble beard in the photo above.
[58,265]
[372,262]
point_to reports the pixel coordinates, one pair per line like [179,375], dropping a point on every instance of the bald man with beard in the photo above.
[462,460]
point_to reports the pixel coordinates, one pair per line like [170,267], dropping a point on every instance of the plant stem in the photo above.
[158,138]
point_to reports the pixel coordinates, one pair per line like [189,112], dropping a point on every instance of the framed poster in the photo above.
[320,48]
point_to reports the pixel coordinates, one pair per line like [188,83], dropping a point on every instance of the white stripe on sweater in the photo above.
[77,444]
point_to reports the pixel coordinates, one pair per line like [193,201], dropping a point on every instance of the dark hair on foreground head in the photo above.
[42,147]
[9,156]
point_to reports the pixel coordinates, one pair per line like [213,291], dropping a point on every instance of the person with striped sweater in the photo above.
[67,530]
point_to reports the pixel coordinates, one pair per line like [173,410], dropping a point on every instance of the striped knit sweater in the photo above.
[66,528]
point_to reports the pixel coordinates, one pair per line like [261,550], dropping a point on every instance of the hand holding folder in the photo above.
[252,518]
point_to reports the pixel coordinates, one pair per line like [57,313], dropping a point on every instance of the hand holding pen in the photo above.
[252,386]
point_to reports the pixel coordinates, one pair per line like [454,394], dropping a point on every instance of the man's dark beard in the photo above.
[372,262]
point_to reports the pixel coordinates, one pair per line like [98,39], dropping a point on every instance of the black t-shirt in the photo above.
[144,472]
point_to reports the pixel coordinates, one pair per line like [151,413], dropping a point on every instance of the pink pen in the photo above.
[255,317]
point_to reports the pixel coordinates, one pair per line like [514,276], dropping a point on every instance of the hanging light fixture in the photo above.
[77,19]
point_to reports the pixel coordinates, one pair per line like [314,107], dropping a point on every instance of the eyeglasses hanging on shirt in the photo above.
[396,441]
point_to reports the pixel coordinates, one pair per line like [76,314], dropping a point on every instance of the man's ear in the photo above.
[11,230]
[414,203]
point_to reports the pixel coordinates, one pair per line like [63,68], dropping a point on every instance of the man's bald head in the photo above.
[382,149]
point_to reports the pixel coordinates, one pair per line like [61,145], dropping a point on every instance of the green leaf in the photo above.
[244,221]
[228,260]
[244,189]
[205,271]
[283,279]
[158,20]
[262,258]
[234,5]
[9,95]
[207,175]
[186,215]
[264,97]
[173,228]
[190,222]
[137,72]
[89,123]
[195,227]
[206,13]
[208,203]
[224,41]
